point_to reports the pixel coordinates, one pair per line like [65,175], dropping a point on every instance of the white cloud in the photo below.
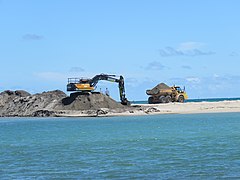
[191,49]
[155,65]
[32,37]
[188,46]
[216,76]
[195,80]
[76,69]
[186,67]
[234,54]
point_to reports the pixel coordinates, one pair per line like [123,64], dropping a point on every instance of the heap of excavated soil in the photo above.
[157,88]
[162,86]
[7,96]
[88,101]
[22,103]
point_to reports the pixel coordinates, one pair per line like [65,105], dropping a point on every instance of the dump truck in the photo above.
[162,93]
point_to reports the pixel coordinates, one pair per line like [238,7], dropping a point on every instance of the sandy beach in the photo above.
[198,107]
[169,108]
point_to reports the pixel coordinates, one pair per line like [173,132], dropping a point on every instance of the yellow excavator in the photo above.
[88,85]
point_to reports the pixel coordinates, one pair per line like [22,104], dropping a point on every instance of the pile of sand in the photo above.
[22,103]
[88,101]
[157,88]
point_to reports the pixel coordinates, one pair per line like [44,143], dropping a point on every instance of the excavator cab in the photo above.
[178,89]
[77,84]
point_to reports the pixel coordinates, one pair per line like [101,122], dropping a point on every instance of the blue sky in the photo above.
[188,43]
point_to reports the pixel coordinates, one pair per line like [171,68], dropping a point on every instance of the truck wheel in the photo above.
[150,100]
[181,99]
[162,99]
[168,99]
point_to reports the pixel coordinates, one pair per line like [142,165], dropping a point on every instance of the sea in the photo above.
[174,146]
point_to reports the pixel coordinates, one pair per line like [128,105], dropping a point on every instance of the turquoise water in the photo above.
[199,146]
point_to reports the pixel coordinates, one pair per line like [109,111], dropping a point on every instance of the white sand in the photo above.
[169,108]
[198,107]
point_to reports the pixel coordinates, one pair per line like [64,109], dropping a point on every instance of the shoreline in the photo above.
[158,109]
[231,106]
[57,104]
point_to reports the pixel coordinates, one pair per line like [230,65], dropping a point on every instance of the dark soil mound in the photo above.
[157,88]
[22,103]
[162,86]
[88,101]
[7,96]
